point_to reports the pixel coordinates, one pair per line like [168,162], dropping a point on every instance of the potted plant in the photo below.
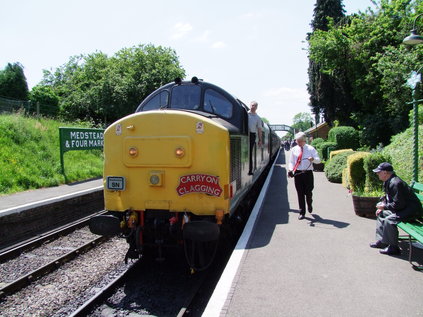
[364,184]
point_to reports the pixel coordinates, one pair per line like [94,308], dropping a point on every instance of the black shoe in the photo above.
[378,245]
[301,216]
[310,210]
[250,173]
[391,250]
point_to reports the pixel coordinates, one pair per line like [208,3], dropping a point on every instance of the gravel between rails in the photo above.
[64,290]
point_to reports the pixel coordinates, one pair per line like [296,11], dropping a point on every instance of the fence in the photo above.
[8,105]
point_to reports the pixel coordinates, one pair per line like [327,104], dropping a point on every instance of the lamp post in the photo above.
[415,78]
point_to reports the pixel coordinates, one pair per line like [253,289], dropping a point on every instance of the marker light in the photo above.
[133,151]
[179,152]
[154,179]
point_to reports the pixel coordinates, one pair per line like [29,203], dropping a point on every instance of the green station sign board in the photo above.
[72,139]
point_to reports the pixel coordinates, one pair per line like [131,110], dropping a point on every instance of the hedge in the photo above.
[333,168]
[322,149]
[316,142]
[370,163]
[336,152]
[356,173]
[344,137]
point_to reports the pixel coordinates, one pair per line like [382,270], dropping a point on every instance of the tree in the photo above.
[45,98]
[366,58]
[103,89]
[13,82]
[302,121]
[325,93]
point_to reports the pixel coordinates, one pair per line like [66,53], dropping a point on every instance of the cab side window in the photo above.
[216,103]
[158,101]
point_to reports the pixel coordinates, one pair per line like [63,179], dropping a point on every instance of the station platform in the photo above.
[32,198]
[319,266]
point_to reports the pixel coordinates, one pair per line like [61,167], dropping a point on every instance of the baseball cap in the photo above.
[385,166]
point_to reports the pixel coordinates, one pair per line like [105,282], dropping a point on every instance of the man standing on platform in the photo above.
[399,203]
[301,168]
[255,129]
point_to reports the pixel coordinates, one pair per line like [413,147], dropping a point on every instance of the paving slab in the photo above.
[319,266]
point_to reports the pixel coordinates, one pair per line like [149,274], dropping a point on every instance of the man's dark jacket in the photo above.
[401,199]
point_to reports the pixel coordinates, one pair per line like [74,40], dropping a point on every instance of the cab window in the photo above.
[215,102]
[158,101]
[186,97]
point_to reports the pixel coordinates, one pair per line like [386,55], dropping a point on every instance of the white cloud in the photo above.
[218,44]
[180,30]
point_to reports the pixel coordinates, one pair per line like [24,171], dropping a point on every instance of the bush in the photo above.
[333,168]
[344,137]
[370,163]
[356,173]
[401,153]
[335,153]
[316,142]
[322,149]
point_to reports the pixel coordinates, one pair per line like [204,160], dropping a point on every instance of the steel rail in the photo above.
[27,279]
[29,244]
[105,292]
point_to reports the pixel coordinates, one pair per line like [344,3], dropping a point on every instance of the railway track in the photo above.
[22,254]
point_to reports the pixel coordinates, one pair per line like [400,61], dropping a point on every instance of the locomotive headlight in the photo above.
[156,178]
[179,152]
[133,152]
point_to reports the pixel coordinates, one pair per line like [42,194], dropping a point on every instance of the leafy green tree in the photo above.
[302,121]
[368,54]
[103,89]
[46,99]
[13,82]
[325,92]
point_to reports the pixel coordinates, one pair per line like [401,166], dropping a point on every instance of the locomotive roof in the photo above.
[200,97]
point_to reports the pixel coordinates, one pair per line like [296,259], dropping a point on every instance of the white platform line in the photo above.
[223,287]
[24,207]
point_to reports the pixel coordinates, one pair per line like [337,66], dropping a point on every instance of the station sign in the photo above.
[72,139]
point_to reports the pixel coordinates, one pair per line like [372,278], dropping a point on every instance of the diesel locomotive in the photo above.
[176,170]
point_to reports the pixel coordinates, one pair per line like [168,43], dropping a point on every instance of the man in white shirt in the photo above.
[255,129]
[301,168]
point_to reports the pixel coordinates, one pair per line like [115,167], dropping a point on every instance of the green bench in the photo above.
[414,229]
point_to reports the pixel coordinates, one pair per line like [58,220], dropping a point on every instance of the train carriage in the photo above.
[177,168]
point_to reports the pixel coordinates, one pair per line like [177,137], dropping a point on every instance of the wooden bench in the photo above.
[414,229]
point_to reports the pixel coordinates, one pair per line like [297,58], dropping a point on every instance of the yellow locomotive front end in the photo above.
[167,160]
[166,182]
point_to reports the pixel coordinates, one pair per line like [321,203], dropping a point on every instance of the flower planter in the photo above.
[365,206]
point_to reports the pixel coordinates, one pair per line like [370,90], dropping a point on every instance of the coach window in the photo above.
[158,101]
[215,102]
[186,97]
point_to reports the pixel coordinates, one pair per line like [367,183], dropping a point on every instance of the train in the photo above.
[176,170]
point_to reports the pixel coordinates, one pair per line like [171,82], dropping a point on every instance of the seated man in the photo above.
[399,203]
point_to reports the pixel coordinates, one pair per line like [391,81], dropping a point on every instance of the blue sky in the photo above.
[255,50]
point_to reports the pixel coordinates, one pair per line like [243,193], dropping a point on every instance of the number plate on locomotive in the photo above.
[115,183]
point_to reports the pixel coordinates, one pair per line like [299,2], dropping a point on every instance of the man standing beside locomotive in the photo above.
[255,128]
[301,168]
[399,203]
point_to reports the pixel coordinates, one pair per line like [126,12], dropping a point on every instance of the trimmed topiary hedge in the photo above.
[370,163]
[344,137]
[316,142]
[356,173]
[333,168]
[322,149]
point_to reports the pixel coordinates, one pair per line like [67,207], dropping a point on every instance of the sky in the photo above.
[255,50]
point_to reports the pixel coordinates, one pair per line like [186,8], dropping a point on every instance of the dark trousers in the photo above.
[304,184]
[252,147]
